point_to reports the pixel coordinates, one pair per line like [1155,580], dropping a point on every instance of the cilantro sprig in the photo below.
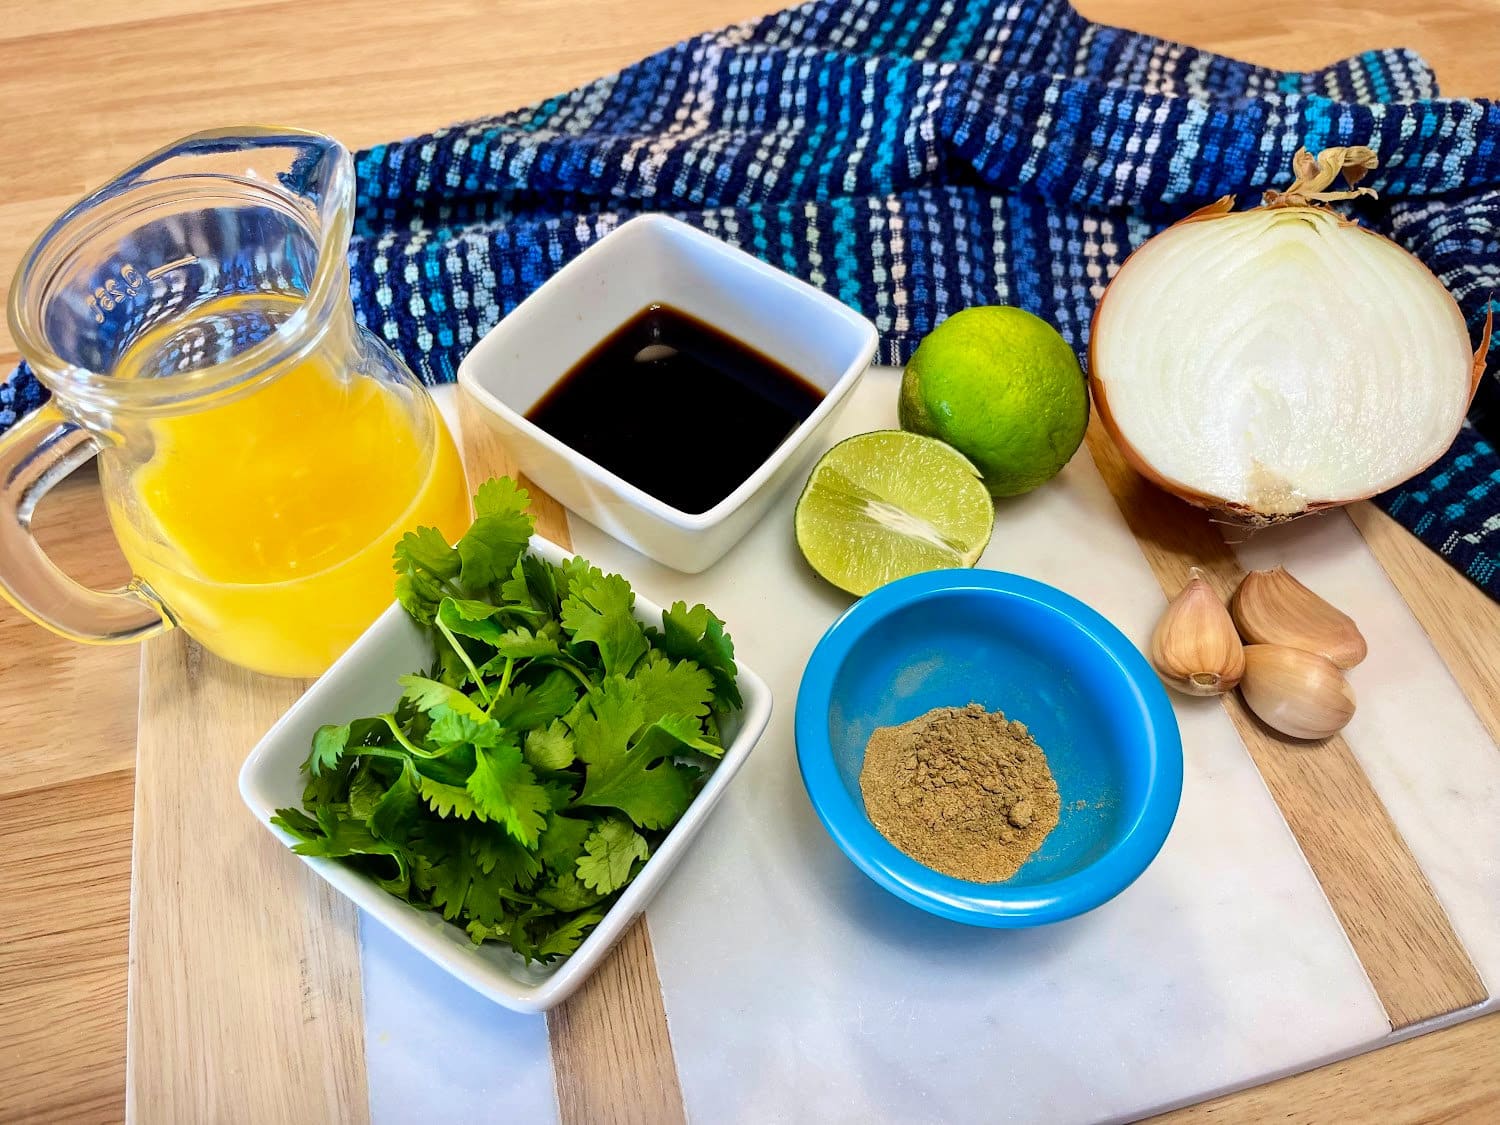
[520,782]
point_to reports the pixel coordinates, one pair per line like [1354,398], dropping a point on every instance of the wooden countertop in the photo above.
[87,87]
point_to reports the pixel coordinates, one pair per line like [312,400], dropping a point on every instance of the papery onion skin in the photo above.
[1238,511]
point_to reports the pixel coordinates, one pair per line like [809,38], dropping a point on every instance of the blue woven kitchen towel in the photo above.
[912,157]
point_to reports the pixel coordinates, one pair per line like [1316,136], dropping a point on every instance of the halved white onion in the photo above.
[1270,362]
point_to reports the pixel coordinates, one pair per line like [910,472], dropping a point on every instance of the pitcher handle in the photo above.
[37,452]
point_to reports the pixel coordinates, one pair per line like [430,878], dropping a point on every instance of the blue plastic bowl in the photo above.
[952,637]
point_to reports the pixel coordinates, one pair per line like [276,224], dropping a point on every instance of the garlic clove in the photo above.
[1271,607]
[1194,647]
[1299,693]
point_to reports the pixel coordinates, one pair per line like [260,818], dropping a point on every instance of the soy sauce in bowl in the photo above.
[676,407]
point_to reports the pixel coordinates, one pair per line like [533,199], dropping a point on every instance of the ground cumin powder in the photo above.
[962,790]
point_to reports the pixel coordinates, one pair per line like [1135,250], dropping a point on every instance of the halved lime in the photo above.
[883,505]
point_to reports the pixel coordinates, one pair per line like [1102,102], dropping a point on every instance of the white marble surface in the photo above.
[797,990]
[435,1050]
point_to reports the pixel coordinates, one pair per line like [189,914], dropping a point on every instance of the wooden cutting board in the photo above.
[245,1000]
[244,995]
[244,988]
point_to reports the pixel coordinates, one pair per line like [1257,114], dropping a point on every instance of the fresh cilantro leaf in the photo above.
[515,591]
[566,892]
[398,884]
[419,596]
[451,765]
[697,635]
[449,881]
[450,667]
[549,747]
[331,786]
[574,570]
[434,840]
[520,932]
[544,646]
[443,867]
[425,565]
[483,902]
[533,587]
[562,577]
[467,609]
[496,854]
[491,898]
[365,792]
[672,734]
[562,842]
[426,551]
[522,644]
[304,827]
[482,932]
[396,814]
[428,695]
[505,790]
[622,775]
[525,707]
[610,854]
[327,745]
[330,743]
[566,938]
[502,496]
[337,839]
[608,719]
[490,548]
[448,800]
[451,728]
[665,687]
[560,790]
[598,610]
[468,618]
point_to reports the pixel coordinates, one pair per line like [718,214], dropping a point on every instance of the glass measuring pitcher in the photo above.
[260,452]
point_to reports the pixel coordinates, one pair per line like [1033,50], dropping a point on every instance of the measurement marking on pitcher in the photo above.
[113,291]
[153,274]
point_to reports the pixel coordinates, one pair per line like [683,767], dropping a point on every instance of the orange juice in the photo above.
[265,523]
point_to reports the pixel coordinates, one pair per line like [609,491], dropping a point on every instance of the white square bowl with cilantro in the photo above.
[366,681]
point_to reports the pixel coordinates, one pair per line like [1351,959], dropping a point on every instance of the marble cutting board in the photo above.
[796,990]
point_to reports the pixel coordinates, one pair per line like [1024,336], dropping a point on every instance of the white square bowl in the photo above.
[656,260]
[363,682]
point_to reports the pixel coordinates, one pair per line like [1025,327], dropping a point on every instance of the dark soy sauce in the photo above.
[676,407]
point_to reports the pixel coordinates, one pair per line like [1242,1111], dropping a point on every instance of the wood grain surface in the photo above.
[245,1001]
[64,916]
[1398,929]
[88,87]
[1442,1077]
[611,1053]
[36,667]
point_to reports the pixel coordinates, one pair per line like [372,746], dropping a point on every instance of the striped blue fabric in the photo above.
[912,157]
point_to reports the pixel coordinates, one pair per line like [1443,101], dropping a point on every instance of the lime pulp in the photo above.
[883,505]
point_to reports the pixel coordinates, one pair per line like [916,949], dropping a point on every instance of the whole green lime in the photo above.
[1004,389]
